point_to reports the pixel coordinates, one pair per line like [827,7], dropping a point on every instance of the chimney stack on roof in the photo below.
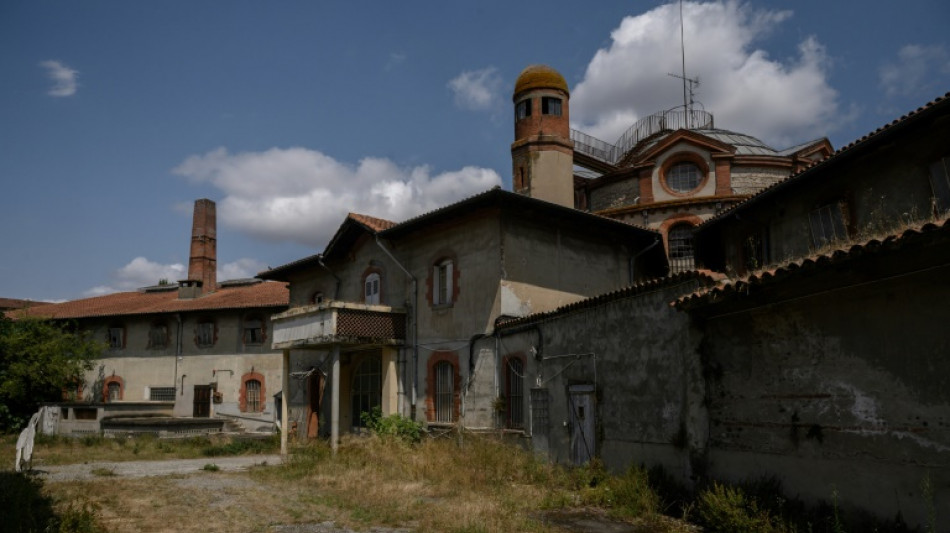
[203,261]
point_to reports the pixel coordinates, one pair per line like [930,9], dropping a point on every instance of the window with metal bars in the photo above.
[161,394]
[444,392]
[366,391]
[680,240]
[252,395]
[114,391]
[827,224]
[514,391]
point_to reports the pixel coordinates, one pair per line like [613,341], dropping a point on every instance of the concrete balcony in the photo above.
[339,323]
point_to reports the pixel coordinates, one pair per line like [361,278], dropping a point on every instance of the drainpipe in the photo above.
[336,291]
[633,259]
[414,328]
[178,349]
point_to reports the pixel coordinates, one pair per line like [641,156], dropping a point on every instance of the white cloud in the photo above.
[476,89]
[301,195]
[781,102]
[64,78]
[141,272]
[912,72]
[240,269]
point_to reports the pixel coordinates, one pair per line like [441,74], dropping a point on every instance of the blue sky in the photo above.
[116,116]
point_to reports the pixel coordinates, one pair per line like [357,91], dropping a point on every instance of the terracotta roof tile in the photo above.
[373,223]
[141,302]
[843,253]
[707,276]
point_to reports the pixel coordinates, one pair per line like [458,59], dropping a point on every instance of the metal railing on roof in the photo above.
[671,119]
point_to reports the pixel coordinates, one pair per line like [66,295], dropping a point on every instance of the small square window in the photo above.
[523,109]
[204,335]
[253,332]
[116,337]
[551,106]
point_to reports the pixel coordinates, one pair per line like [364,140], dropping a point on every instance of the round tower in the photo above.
[542,156]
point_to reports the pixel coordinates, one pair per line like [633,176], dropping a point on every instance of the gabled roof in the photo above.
[13,303]
[355,225]
[497,197]
[868,142]
[247,296]
[935,235]
[704,276]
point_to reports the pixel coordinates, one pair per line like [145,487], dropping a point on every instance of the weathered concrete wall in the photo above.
[750,180]
[642,357]
[616,194]
[142,367]
[846,390]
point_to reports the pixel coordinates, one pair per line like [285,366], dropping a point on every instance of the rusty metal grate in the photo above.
[369,324]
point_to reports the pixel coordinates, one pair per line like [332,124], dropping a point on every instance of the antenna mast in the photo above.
[688,83]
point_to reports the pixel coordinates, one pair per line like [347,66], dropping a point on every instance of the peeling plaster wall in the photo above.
[647,373]
[849,390]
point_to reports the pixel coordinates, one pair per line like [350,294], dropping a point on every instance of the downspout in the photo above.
[633,259]
[336,291]
[414,328]
[178,351]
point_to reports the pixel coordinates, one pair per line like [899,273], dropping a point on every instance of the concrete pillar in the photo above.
[284,410]
[335,398]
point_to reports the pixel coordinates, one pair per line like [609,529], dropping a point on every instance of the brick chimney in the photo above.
[203,262]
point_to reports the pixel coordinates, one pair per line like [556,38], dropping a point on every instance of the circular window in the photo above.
[684,177]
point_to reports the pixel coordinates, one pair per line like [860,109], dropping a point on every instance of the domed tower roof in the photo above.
[540,77]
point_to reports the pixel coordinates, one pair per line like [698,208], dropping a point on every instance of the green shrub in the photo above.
[728,509]
[393,426]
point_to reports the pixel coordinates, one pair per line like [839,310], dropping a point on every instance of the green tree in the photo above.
[38,359]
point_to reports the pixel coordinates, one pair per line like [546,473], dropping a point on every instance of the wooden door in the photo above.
[202,401]
[580,399]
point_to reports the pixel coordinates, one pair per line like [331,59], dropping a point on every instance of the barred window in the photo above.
[161,394]
[514,390]
[114,391]
[827,224]
[684,177]
[442,281]
[444,392]
[252,394]
[367,388]
[680,239]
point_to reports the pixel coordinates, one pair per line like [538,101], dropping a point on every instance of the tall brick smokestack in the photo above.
[203,263]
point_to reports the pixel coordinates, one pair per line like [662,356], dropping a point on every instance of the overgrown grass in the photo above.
[56,450]
[25,507]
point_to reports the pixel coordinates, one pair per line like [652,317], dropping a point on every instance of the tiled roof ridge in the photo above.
[130,303]
[836,254]
[616,294]
[374,223]
[837,153]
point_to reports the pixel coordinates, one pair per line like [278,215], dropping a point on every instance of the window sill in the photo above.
[437,307]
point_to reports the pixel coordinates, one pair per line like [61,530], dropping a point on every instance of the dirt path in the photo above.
[136,469]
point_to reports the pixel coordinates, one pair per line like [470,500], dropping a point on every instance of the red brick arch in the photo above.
[105,387]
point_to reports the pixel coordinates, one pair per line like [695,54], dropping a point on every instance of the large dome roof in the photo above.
[540,77]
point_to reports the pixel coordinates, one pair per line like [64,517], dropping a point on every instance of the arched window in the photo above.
[252,391]
[252,396]
[684,177]
[444,392]
[371,287]
[366,392]
[680,241]
[514,392]
[317,298]
[112,389]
